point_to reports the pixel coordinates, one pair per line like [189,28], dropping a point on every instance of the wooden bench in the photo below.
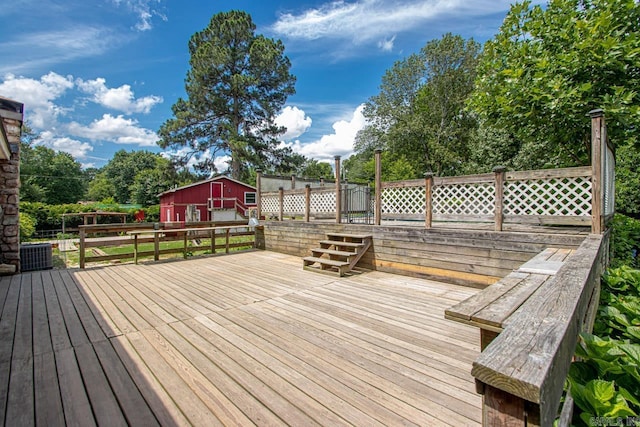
[491,308]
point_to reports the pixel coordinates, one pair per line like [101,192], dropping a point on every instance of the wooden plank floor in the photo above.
[243,339]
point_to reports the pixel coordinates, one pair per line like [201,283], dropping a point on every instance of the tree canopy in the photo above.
[419,114]
[547,67]
[47,175]
[238,82]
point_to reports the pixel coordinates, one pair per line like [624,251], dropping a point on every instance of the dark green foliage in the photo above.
[628,180]
[137,177]
[237,83]
[49,217]
[548,67]
[625,241]
[50,176]
[315,169]
[606,380]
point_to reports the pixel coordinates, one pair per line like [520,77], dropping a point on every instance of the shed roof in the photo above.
[215,178]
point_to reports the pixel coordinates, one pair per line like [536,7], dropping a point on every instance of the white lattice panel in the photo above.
[553,196]
[403,200]
[270,204]
[464,199]
[323,201]
[293,203]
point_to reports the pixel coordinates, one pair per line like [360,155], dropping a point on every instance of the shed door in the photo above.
[216,194]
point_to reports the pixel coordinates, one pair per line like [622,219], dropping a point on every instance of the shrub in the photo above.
[27,226]
[625,241]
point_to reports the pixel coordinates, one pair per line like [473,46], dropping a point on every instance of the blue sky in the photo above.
[97,76]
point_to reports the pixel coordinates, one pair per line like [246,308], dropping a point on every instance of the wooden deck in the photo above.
[242,339]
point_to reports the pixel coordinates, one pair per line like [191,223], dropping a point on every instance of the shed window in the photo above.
[250,198]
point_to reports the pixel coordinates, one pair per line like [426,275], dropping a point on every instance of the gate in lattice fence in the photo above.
[357,205]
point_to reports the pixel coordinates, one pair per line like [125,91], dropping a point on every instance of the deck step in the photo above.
[332,252]
[325,261]
[342,244]
[350,236]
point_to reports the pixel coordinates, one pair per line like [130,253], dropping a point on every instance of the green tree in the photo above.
[49,176]
[315,169]
[147,185]
[420,111]
[123,168]
[237,84]
[101,188]
[547,67]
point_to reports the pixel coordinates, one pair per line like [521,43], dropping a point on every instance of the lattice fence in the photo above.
[270,204]
[323,201]
[565,196]
[293,204]
[473,199]
[405,201]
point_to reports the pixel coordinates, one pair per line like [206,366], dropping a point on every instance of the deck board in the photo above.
[241,339]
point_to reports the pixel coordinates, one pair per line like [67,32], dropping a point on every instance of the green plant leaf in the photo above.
[603,391]
[628,396]
[620,408]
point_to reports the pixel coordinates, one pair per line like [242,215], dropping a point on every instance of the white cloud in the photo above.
[339,143]
[145,11]
[77,149]
[44,49]
[121,98]
[38,96]
[222,163]
[115,129]
[370,21]
[295,120]
[386,45]
[360,21]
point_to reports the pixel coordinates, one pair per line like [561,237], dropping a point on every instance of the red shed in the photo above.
[219,198]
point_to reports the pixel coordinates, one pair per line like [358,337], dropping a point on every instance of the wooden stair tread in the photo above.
[325,261]
[340,243]
[350,236]
[333,252]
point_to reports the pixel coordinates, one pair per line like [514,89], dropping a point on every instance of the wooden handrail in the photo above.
[523,371]
[185,232]
[159,232]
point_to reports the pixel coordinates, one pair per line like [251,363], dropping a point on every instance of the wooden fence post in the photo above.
[82,246]
[293,182]
[281,204]
[378,190]
[597,123]
[338,192]
[428,207]
[307,202]
[499,172]
[258,193]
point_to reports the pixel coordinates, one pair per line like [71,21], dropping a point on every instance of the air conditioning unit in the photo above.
[36,256]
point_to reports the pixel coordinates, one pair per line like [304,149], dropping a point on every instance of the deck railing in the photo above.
[522,372]
[549,196]
[219,235]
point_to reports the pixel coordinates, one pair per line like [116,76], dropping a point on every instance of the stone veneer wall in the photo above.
[11,116]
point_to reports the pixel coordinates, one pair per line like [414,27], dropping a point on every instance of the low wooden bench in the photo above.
[491,308]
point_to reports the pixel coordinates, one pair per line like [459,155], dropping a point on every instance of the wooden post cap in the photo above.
[499,169]
[598,112]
